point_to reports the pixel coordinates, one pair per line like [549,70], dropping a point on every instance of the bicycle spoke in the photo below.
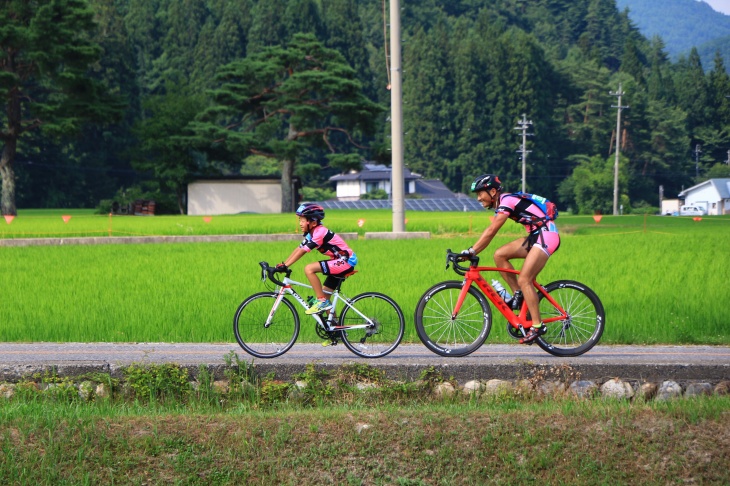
[448,335]
[259,339]
[383,323]
[581,329]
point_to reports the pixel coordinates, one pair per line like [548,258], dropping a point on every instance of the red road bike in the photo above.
[453,318]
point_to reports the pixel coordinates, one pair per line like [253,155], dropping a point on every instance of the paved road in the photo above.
[507,361]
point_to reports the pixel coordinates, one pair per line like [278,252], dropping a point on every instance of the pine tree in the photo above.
[428,101]
[719,93]
[266,27]
[46,53]
[282,102]
[691,87]
[659,81]
[302,16]
[345,32]
[163,151]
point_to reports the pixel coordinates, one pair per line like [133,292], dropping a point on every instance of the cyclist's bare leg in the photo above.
[311,271]
[534,263]
[502,257]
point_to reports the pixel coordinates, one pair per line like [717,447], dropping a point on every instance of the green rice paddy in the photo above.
[661,279]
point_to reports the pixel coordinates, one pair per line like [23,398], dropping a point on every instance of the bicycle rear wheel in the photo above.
[583,327]
[446,335]
[258,339]
[386,332]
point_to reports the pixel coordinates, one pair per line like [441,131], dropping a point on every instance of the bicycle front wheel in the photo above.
[265,340]
[583,327]
[385,325]
[449,335]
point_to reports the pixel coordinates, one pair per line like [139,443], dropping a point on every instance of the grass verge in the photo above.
[501,441]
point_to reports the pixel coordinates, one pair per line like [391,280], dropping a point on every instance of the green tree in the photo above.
[302,16]
[267,30]
[659,81]
[345,33]
[428,101]
[691,86]
[45,56]
[718,84]
[590,186]
[281,102]
[163,151]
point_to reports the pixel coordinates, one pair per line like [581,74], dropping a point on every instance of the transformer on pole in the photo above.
[523,124]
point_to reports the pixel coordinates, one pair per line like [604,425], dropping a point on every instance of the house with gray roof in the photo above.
[713,195]
[354,184]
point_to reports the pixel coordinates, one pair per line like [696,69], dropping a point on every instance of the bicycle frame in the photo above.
[474,275]
[327,325]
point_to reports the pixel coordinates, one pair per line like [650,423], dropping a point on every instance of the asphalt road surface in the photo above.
[507,361]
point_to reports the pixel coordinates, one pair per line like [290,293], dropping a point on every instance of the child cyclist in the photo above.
[342,258]
[542,241]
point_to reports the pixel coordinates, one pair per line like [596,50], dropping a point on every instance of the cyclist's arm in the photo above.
[489,233]
[295,256]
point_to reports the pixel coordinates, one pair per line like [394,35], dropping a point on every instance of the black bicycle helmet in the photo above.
[485,182]
[311,211]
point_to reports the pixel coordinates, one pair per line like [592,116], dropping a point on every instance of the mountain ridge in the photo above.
[682,25]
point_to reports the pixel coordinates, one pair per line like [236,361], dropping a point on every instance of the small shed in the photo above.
[713,195]
[234,195]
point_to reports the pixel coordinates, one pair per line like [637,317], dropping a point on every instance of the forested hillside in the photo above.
[682,25]
[201,81]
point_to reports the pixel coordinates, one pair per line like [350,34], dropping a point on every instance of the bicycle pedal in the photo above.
[329,343]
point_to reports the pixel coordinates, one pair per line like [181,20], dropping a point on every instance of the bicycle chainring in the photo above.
[327,335]
[513,332]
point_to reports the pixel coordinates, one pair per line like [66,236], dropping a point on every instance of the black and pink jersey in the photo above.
[328,243]
[524,212]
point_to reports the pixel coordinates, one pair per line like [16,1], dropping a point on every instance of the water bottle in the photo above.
[501,290]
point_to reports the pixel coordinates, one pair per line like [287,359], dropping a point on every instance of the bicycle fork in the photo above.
[277,301]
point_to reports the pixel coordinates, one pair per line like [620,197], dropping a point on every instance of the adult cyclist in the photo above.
[542,241]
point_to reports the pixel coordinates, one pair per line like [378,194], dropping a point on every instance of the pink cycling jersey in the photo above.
[342,258]
[542,233]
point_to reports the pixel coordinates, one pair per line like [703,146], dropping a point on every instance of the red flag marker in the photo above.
[207,219]
[9,218]
[66,218]
[597,218]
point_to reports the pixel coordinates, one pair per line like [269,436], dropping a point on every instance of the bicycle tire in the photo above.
[389,325]
[265,341]
[584,326]
[446,336]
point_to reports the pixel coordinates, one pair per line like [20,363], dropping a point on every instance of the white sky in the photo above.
[720,5]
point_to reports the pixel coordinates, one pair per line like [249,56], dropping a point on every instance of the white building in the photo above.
[234,195]
[713,195]
[372,177]
[354,184]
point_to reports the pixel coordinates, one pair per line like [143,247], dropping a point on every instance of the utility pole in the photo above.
[619,94]
[397,184]
[661,196]
[698,151]
[523,124]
